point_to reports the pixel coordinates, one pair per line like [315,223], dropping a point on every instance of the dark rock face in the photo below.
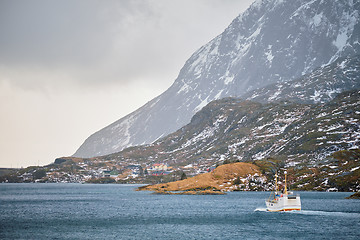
[320,86]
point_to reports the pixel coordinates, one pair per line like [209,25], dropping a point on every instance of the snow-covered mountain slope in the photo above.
[319,86]
[238,130]
[273,41]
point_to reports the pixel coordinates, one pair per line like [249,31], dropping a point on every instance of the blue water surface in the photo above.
[85,211]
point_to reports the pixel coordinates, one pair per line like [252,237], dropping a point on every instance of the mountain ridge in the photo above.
[273,41]
[238,130]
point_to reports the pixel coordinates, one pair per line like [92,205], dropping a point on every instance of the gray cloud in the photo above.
[99,42]
[77,38]
[71,67]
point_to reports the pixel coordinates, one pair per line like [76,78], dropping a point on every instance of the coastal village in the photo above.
[72,170]
[340,172]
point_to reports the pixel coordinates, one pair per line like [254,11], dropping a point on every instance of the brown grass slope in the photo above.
[212,181]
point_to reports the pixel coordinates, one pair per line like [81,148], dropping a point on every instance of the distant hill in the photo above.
[338,172]
[6,171]
[317,143]
[237,130]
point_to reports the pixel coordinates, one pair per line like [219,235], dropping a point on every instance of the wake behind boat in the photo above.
[285,201]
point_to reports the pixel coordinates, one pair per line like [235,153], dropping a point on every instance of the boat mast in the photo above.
[285,189]
[276,184]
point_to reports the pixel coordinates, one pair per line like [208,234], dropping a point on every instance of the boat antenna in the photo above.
[285,189]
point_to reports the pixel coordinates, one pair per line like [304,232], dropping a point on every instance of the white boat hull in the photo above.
[284,203]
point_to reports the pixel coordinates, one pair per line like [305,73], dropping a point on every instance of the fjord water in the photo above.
[82,211]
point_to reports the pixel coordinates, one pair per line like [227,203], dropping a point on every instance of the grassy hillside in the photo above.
[234,176]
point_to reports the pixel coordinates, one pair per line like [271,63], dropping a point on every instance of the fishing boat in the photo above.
[283,201]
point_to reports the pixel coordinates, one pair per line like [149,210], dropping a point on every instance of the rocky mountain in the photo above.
[274,41]
[237,130]
[319,86]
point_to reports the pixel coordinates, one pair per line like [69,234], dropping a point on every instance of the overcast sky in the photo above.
[69,68]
